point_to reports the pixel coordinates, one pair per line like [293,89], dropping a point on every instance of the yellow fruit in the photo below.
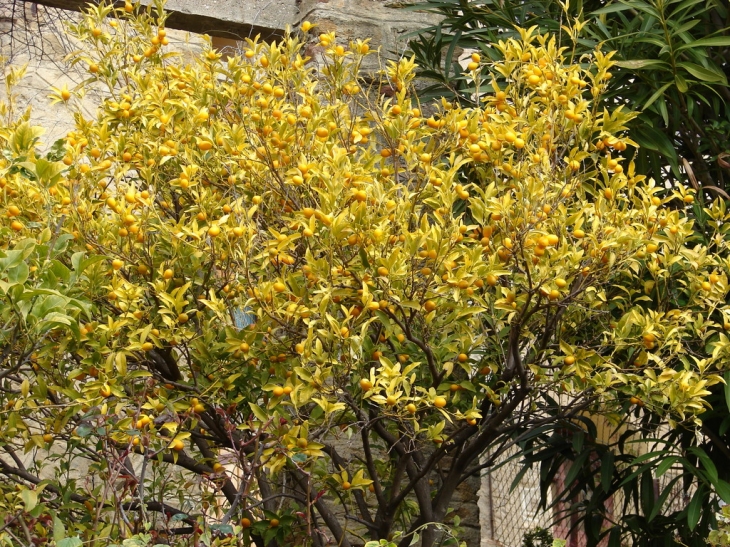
[366,385]
[279,286]
[278,391]
[346,485]
[429,305]
[344,332]
[706,286]
[183,318]
[245,522]
[302,443]
[561,283]
[148,346]
[117,264]
[105,391]
[274,523]
[213,231]
[410,407]
[439,402]
[177,445]
[16,226]
[217,467]
[391,400]
[244,347]
[47,438]
[168,274]
[569,360]
[13,211]
[382,271]
[463,358]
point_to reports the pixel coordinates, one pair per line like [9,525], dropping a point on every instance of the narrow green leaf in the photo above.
[702,73]
[606,470]
[713,41]
[695,508]
[727,389]
[723,490]
[643,63]
[656,95]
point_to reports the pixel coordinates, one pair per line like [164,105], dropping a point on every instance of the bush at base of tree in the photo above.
[255,302]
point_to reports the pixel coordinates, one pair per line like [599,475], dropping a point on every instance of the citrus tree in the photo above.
[257,299]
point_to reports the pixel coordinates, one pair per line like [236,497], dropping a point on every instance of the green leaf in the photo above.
[695,508]
[606,470]
[30,499]
[727,389]
[702,73]
[723,490]
[59,530]
[611,8]
[713,41]
[653,139]
[70,542]
[635,64]
[656,95]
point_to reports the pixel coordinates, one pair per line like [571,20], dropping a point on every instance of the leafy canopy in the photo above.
[255,298]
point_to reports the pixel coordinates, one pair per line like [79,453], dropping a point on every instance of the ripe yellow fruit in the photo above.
[16,226]
[491,280]
[279,287]
[561,283]
[429,305]
[13,211]
[183,318]
[391,400]
[245,522]
[651,248]
[217,467]
[346,485]
[302,443]
[344,332]
[105,391]
[569,360]
[244,347]
[214,231]
[366,385]
[274,523]
[463,358]
[148,346]
[177,445]
[439,402]
[410,407]
[117,264]
[47,438]
[382,271]
[278,391]
[168,274]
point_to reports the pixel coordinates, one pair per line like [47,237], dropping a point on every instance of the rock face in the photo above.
[383,21]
